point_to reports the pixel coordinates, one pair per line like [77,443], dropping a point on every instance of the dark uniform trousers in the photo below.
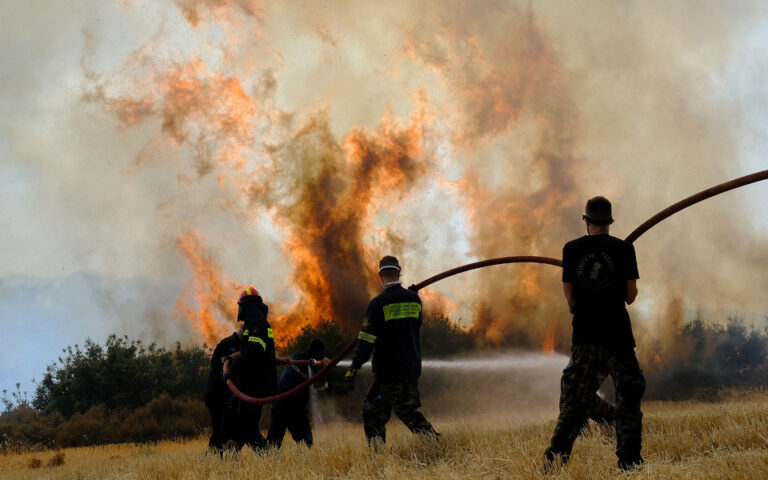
[240,426]
[294,418]
[589,366]
[382,398]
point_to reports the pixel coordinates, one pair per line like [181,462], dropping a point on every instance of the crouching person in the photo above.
[293,413]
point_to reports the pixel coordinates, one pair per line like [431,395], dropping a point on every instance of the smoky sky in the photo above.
[300,142]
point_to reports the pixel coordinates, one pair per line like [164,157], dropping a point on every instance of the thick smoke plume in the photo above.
[445,132]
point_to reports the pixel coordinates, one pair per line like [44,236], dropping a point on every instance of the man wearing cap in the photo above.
[599,277]
[391,332]
[254,372]
[293,413]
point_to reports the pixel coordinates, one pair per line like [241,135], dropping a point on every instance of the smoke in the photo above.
[322,194]
[302,142]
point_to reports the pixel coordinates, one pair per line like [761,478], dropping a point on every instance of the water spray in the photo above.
[644,227]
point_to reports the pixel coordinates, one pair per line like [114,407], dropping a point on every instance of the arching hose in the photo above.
[647,225]
[693,199]
[295,390]
[485,263]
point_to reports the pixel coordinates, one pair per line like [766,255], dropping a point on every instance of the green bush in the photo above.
[121,375]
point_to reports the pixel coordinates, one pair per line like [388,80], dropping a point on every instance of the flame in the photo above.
[335,189]
[216,311]
[491,116]
[548,344]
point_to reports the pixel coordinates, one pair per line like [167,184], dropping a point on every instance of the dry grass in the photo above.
[690,440]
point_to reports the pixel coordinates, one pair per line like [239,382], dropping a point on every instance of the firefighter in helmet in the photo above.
[293,413]
[254,372]
[390,331]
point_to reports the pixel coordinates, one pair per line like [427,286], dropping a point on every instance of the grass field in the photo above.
[727,439]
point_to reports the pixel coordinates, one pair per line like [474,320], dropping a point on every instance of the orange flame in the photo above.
[324,195]
[216,309]
[548,344]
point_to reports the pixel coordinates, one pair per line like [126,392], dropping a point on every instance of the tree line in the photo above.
[128,391]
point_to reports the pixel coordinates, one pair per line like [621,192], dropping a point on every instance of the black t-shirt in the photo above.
[598,267]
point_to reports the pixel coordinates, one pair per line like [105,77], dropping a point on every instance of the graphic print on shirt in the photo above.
[595,271]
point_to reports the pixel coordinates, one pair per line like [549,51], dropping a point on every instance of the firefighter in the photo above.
[293,413]
[390,331]
[216,391]
[253,370]
[599,277]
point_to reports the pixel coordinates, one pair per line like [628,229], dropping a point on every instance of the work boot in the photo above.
[631,464]
[376,444]
[428,432]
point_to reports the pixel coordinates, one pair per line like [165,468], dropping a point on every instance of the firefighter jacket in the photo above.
[255,370]
[391,331]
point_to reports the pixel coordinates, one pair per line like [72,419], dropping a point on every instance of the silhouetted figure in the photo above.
[390,331]
[216,391]
[293,413]
[254,372]
[599,276]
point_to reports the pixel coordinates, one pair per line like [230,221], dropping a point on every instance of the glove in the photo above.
[349,379]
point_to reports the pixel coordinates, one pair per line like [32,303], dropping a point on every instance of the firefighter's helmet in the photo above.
[248,292]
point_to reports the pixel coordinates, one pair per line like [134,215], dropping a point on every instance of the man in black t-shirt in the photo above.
[391,332]
[599,276]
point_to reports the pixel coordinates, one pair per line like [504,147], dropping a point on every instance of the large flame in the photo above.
[330,138]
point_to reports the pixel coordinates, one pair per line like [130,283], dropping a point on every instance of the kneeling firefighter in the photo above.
[253,370]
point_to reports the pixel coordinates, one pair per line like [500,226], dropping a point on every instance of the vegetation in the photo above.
[685,440]
[125,391]
[121,375]
[710,356]
[121,392]
[440,337]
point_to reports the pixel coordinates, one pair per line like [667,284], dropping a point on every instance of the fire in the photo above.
[548,344]
[502,132]
[217,312]
[335,189]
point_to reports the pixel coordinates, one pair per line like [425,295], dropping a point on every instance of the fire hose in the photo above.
[644,227]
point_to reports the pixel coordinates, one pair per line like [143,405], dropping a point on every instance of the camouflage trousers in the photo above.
[400,396]
[581,379]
